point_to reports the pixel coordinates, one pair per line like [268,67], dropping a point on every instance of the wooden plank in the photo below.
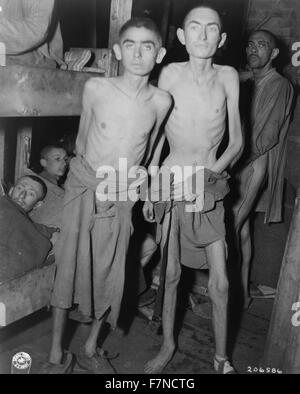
[32,91]
[24,138]
[120,12]
[282,348]
[22,296]
[165,20]
[2,151]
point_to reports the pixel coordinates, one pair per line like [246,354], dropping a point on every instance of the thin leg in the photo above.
[173,273]
[246,253]
[218,293]
[148,248]
[59,322]
[252,180]
[91,342]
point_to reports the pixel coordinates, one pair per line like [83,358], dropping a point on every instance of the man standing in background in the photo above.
[261,170]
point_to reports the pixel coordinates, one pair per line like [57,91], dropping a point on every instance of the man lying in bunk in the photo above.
[24,245]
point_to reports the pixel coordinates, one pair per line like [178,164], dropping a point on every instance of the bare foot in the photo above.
[157,364]
[56,357]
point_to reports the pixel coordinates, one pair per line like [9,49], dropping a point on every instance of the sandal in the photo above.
[98,364]
[203,309]
[223,367]
[261,291]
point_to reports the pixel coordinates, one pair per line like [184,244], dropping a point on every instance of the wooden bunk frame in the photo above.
[36,92]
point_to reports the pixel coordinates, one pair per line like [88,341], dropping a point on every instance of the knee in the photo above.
[218,288]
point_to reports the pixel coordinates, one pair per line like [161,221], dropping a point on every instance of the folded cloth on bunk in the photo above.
[24,245]
[76,60]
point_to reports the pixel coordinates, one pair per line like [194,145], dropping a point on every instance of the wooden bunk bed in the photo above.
[28,92]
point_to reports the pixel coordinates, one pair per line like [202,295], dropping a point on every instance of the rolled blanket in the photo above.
[77,59]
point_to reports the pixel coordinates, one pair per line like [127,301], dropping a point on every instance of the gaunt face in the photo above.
[139,51]
[26,193]
[260,50]
[201,33]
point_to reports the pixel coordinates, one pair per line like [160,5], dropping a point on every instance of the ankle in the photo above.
[89,350]
[220,358]
[170,346]
[56,357]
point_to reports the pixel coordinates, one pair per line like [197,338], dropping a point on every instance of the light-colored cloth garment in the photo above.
[25,26]
[92,247]
[270,118]
[197,229]
[186,233]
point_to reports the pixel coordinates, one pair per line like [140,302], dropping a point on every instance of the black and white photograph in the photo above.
[150,189]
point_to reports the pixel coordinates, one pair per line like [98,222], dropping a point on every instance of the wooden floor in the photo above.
[139,342]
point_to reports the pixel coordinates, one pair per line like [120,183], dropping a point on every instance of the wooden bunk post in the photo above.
[165,20]
[2,151]
[282,349]
[120,12]
[24,138]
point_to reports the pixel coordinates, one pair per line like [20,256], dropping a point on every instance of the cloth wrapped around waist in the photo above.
[196,217]
[199,190]
[91,251]
[108,183]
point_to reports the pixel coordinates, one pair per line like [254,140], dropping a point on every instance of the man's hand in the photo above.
[55,236]
[148,212]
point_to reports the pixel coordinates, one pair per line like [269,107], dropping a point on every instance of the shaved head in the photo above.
[268,35]
[205,6]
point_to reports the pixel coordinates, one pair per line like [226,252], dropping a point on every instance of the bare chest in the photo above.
[196,103]
[124,117]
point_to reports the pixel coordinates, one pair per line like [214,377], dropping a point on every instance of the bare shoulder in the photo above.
[228,77]
[227,73]
[162,99]
[92,86]
[93,83]
[174,68]
[170,74]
